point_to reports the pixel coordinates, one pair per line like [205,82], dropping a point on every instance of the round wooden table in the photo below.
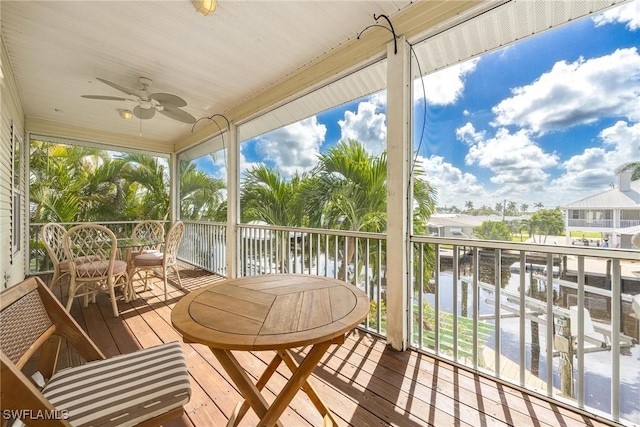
[271,312]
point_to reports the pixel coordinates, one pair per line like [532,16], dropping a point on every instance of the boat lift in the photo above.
[597,335]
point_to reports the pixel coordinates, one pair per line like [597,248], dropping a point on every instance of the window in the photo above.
[17,192]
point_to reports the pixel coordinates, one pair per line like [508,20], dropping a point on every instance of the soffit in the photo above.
[456,39]
[216,63]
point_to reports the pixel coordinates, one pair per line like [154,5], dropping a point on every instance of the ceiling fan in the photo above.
[149,103]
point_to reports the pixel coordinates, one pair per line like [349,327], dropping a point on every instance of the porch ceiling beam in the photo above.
[411,22]
[62,130]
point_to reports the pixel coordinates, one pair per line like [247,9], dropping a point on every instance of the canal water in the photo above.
[598,364]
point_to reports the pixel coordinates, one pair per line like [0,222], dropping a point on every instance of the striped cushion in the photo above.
[124,390]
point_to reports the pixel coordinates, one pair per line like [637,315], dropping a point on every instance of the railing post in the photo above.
[233,202]
[398,191]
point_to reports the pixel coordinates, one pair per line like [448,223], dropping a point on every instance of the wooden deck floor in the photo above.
[364,382]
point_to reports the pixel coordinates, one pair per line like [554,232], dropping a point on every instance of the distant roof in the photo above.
[628,230]
[464,220]
[613,198]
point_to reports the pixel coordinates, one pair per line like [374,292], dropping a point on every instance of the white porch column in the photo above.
[174,188]
[233,201]
[399,157]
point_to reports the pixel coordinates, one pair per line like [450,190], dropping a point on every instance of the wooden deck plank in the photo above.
[202,409]
[444,374]
[363,382]
[164,312]
[407,394]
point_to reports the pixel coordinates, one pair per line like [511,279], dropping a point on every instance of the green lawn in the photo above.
[587,234]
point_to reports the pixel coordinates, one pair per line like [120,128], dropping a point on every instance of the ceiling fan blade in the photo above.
[143,113]
[166,99]
[106,98]
[120,88]
[178,114]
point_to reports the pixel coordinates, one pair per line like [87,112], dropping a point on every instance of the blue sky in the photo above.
[547,119]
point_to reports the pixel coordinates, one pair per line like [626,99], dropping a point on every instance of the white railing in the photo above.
[624,223]
[204,245]
[591,223]
[554,319]
[557,320]
[357,258]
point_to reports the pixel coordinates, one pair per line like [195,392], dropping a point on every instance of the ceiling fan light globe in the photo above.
[125,114]
[205,7]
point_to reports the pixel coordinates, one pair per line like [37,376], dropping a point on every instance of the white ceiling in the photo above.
[58,48]
[249,56]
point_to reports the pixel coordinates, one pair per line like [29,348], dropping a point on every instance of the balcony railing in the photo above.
[593,223]
[357,258]
[205,245]
[554,319]
[557,320]
[624,223]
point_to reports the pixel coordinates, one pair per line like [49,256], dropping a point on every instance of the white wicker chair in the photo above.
[52,234]
[92,250]
[165,260]
[151,232]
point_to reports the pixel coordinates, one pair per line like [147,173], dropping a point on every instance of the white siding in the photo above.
[12,266]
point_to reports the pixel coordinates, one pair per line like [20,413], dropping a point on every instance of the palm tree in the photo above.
[71,183]
[548,222]
[635,167]
[524,208]
[538,205]
[267,196]
[468,206]
[150,181]
[201,195]
[348,191]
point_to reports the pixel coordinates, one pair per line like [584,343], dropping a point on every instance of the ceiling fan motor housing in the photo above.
[145,82]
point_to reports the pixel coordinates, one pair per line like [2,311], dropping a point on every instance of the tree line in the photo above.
[346,190]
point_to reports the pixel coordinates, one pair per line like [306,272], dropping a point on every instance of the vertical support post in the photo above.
[523,317]
[174,187]
[496,310]
[616,307]
[233,202]
[398,191]
[580,338]
[550,324]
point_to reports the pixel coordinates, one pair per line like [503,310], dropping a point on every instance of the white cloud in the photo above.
[576,93]
[367,125]
[468,134]
[593,170]
[452,185]
[217,163]
[517,162]
[293,148]
[628,14]
[245,164]
[445,86]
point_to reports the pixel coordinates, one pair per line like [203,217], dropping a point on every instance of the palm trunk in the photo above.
[351,249]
